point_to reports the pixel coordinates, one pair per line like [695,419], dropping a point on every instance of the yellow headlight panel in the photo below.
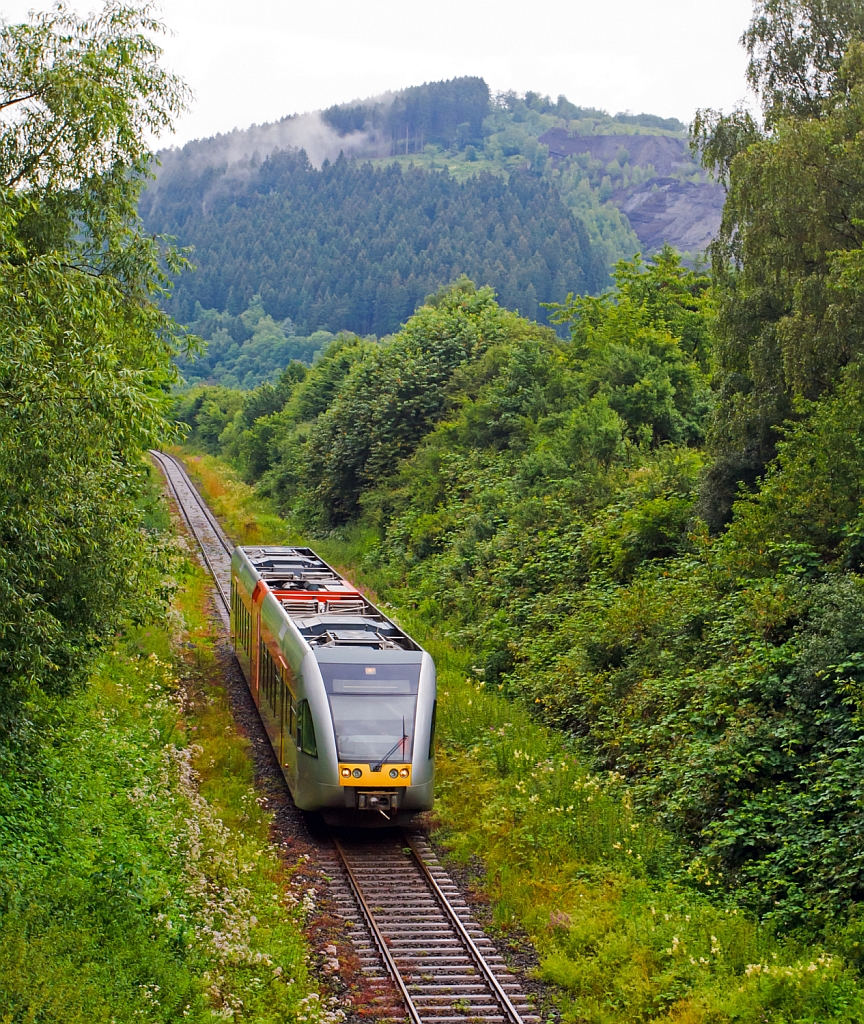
[362,775]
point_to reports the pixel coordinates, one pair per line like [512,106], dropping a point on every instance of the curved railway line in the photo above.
[423,956]
[214,546]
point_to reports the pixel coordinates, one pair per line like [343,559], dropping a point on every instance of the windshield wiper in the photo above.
[400,742]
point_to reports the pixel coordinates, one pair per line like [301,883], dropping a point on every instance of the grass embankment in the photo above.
[598,887]
[136,880]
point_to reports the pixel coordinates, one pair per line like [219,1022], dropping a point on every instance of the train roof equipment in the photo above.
[327,610]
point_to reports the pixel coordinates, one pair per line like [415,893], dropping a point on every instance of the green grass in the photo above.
[620,928]
[137,882]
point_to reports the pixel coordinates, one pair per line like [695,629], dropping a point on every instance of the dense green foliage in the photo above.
[787,255]
[538,496]
[85,352]
[246,350]
[355,247]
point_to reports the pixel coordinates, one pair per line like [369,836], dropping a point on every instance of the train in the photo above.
[347,697]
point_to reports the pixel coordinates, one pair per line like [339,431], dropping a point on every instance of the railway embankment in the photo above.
[562,855]
[140,884]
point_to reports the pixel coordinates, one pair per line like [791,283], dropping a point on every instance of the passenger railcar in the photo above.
[348,699]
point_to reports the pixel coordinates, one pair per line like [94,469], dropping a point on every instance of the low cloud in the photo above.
[235,154]
[302,131]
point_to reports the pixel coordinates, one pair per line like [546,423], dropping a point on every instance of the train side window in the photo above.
[432,730]
[269,679]
[306,730]
[290,711]
[242,622]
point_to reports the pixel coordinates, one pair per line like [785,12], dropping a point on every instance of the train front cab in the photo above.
[376,766]
[375,754]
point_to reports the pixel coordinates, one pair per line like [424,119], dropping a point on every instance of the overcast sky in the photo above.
[251,61]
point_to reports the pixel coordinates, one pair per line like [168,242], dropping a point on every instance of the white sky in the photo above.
[259,60]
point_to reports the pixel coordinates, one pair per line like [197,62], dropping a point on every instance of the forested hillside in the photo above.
[517,192]
[356,247]
[649,533]
[403,193]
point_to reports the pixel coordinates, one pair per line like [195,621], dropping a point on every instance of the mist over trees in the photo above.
[447,113]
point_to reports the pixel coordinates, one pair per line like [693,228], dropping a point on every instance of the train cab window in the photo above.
[306,730]
[373,708]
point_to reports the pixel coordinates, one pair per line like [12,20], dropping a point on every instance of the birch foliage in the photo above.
[84,349]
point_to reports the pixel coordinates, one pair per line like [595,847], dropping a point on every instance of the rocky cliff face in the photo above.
[663,209]
[685,214]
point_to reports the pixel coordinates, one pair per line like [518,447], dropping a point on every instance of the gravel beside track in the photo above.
[395,929]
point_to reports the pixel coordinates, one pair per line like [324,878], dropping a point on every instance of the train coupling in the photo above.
[377,801]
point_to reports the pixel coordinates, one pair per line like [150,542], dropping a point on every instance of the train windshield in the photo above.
[373,709]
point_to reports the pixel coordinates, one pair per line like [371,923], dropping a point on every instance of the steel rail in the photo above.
[377,937]
[164,461]
[202,505]
[501,997]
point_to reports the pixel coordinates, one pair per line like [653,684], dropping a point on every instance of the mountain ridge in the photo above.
[546,196]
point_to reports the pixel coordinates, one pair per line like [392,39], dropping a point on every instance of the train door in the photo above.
[258,595]
[271,689]
[289,724]
[241,627]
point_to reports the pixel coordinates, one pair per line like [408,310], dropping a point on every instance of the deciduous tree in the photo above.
[84,349]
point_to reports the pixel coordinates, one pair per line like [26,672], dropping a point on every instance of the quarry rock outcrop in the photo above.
[663,209]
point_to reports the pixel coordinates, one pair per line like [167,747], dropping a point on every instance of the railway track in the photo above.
[418,933]
[422,955]
[214,546]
